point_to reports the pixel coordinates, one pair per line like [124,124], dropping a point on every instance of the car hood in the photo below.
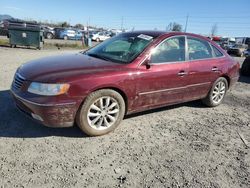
[61,68]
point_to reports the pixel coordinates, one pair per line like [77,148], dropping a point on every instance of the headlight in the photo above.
[48,89]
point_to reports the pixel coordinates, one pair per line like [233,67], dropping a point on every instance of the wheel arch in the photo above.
[227,78]
[118,90]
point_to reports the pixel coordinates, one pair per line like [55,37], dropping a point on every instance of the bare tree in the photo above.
[173,26]
[214,29]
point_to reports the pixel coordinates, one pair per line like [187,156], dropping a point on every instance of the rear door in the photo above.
[165,81]
[204,68]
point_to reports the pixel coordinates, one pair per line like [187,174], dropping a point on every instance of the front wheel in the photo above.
[101,112]
[217,93]
[49,36]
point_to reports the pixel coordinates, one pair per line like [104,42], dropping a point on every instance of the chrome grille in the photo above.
[18,81]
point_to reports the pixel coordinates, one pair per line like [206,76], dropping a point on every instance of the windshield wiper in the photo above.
[98,56]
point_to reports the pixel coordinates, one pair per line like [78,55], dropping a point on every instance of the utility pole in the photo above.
[186,22]
[88,24]
[122,23]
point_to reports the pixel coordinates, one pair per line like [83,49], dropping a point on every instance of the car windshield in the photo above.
[122,48]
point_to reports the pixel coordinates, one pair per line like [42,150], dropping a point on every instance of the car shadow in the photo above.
[5,45]
[193,104]
[18,47]
[15,124]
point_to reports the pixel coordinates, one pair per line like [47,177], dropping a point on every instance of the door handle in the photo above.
[214,69]
[182,73]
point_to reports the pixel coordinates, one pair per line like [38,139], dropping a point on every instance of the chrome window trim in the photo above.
[186,51]
[39,104]
[188,61]
[206,59]
[171,89]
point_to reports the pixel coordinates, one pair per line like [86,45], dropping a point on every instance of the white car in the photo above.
[100,36]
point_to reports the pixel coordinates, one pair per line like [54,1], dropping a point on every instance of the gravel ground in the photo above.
[186,145]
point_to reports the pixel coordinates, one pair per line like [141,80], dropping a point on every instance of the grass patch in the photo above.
[4,42]
[64,45]
[78,45]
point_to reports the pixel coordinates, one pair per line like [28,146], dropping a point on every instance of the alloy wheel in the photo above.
[218,92]
[103,113]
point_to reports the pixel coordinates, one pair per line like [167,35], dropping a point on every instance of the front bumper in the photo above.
[49,114]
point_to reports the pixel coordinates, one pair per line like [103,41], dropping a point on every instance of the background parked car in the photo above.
[237,50]
[227,42]
[78,35]
[67,34]
[48,32]
[100,36]
[4,28]
[247,52]
[242,40]
[241,45]
[58,30]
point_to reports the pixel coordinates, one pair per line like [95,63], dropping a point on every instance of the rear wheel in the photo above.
[65,37]
[217,93]
[101,112]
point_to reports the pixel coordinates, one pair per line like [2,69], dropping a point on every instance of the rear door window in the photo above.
[198,49]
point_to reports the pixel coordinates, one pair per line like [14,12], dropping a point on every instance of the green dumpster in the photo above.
[26,35]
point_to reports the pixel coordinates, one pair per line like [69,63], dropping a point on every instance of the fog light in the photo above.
[37,117]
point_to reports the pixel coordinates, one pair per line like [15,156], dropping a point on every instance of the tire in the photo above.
[65,37]
[49,36]
[96,125]
[210,99]
[245,69]
[97,40]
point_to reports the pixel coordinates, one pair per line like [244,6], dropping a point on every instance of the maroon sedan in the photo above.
[131,72]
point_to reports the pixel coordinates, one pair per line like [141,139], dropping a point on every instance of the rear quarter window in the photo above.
[217,52]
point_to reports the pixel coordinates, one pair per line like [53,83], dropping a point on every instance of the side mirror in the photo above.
[147,61]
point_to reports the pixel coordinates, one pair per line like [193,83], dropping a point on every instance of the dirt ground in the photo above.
[186,145]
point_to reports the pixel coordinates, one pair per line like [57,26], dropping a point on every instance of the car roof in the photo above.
[150,33]
[156,34]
